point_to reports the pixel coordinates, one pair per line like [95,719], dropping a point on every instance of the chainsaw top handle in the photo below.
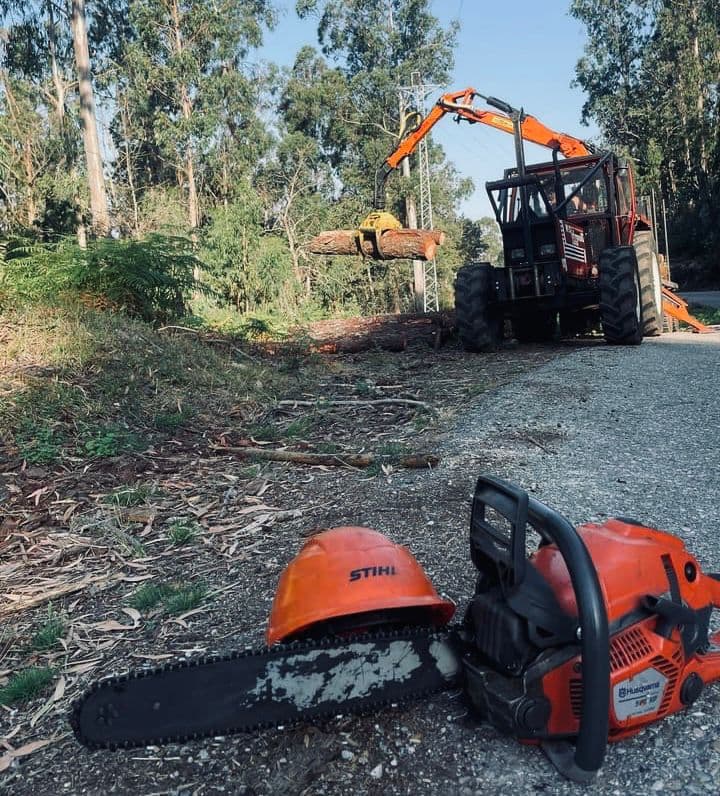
[490,546]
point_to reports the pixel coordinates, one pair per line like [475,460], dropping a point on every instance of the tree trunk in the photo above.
[57,80]
[129,166]
[193,204]
[294,254]
[392,244]
[93,159]
[80,229]
[31,206]
[700,86]
[28,177]
[187,110]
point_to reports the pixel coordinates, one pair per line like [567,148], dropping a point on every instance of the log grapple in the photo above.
[573,637]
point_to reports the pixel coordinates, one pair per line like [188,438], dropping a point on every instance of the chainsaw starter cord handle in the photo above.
[581,762]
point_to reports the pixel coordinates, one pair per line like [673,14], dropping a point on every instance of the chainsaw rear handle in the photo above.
[516,506]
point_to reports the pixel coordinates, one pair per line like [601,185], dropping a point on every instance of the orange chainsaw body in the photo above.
[656,666]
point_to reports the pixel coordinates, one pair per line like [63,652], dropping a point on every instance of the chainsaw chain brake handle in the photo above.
[490,547]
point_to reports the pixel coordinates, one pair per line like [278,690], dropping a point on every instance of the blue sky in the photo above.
[522,51]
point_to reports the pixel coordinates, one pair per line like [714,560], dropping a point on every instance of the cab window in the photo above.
[590,197]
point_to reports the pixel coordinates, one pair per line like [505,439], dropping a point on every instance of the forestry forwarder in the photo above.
[575,241]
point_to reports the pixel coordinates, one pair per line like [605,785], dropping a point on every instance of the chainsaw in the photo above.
[583,636]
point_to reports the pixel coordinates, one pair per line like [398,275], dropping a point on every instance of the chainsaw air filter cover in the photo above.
[354,573]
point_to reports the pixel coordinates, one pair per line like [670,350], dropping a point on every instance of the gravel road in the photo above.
[612,431]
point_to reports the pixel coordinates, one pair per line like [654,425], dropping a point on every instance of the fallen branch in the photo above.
[181,329]
[415,461]
[373,402]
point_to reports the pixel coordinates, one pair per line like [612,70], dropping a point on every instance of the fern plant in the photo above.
[150,278]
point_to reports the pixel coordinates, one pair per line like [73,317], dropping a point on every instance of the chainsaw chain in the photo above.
[276,651]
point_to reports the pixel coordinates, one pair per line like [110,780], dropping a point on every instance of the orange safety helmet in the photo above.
[353,572]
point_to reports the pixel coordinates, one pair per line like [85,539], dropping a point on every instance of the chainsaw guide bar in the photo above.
[254,689]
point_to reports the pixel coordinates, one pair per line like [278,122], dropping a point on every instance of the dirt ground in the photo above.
[84,536]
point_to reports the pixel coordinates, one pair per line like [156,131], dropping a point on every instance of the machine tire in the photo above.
[620,307]
[479,326]
[535,327]
[650,283]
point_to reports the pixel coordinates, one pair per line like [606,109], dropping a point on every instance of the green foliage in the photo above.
[185,598]
[110,440]
[196,155]
[130,495]
[149,595]
[172,421]
[190,93]
[263,326]
[362,387]
[373,58]
[351,112]
[247,267]
[271,432]
[182,532]
[39,140]
[265,432]
[257,326]
[49,633]
[708,315]
[328,447]
[36,417]
[374,469]
[394,449]
[150,279]
[26,685]
[38,445]
[299,428]
[162,210]
[480,241]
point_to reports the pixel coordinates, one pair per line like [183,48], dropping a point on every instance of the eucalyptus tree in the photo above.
[651,71]
[37,133]
[377,47]
[47,82]
[193,93]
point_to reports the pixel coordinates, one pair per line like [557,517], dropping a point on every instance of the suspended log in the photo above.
[390,244]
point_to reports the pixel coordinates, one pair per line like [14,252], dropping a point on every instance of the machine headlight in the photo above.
[517,254]
[547,249]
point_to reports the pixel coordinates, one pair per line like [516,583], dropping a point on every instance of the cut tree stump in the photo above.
[391,244]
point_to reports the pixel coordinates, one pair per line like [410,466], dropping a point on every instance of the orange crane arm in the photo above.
[460,103]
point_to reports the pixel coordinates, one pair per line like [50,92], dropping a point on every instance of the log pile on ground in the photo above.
[389,244]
